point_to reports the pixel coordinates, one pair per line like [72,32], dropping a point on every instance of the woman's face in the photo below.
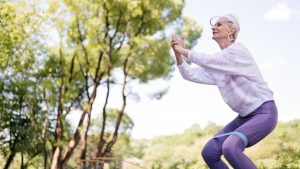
[220,29]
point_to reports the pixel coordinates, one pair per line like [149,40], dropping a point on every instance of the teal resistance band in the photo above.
[241,135]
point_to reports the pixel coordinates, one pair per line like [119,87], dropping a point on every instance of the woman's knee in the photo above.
[232,146]
[227,150]
[211,150]
[206,153]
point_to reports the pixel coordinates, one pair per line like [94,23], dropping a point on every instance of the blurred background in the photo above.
[94,83]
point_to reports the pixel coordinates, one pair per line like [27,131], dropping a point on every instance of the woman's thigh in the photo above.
[260,123]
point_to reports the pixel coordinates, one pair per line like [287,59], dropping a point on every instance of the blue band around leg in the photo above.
[241,135]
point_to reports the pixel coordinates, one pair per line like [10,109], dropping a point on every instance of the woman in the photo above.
[242,87]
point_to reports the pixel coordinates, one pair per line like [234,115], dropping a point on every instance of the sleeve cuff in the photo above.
[196,57]
[189,55]
[182,65]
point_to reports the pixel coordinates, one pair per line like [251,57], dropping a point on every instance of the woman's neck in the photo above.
[224,43]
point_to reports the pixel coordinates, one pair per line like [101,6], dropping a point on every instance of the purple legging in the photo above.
[254,126]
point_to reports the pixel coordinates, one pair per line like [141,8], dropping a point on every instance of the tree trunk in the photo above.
[45,156]
[44,132]
[84,139]
[22,161]
[10,159]
[55,158]
[56,162]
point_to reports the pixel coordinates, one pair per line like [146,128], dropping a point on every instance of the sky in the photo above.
[270,29]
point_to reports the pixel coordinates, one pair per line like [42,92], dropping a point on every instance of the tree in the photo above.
[21,112]
[98,37]
[102,44]
[120,149]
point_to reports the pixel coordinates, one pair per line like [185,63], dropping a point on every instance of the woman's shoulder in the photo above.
[238,47]
[238,50]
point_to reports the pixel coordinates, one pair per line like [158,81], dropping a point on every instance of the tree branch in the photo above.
[142,20]
[87,66]
[86,80]
[71,71]
[102,139]
[121,112]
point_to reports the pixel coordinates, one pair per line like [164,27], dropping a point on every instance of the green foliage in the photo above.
[99,37]
[22,114]
[25,132]
[190,30]
[112,114]
[288,156]
[174,151]
[11,34]
[42,82]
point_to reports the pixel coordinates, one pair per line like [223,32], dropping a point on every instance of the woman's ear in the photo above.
[233,30]
[232,33]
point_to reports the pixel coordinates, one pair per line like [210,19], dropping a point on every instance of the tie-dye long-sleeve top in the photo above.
[236,74]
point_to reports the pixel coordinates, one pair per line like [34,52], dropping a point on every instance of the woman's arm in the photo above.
[235,60]
[178,56]
[196,74]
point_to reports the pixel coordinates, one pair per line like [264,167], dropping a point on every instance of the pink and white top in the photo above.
[236,74]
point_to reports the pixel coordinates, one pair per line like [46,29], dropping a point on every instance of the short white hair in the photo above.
[231,18]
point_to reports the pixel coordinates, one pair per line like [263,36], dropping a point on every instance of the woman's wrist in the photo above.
[179,59]
[177,49]
[181,50]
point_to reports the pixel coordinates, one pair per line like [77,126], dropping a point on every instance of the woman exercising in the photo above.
[242,87]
